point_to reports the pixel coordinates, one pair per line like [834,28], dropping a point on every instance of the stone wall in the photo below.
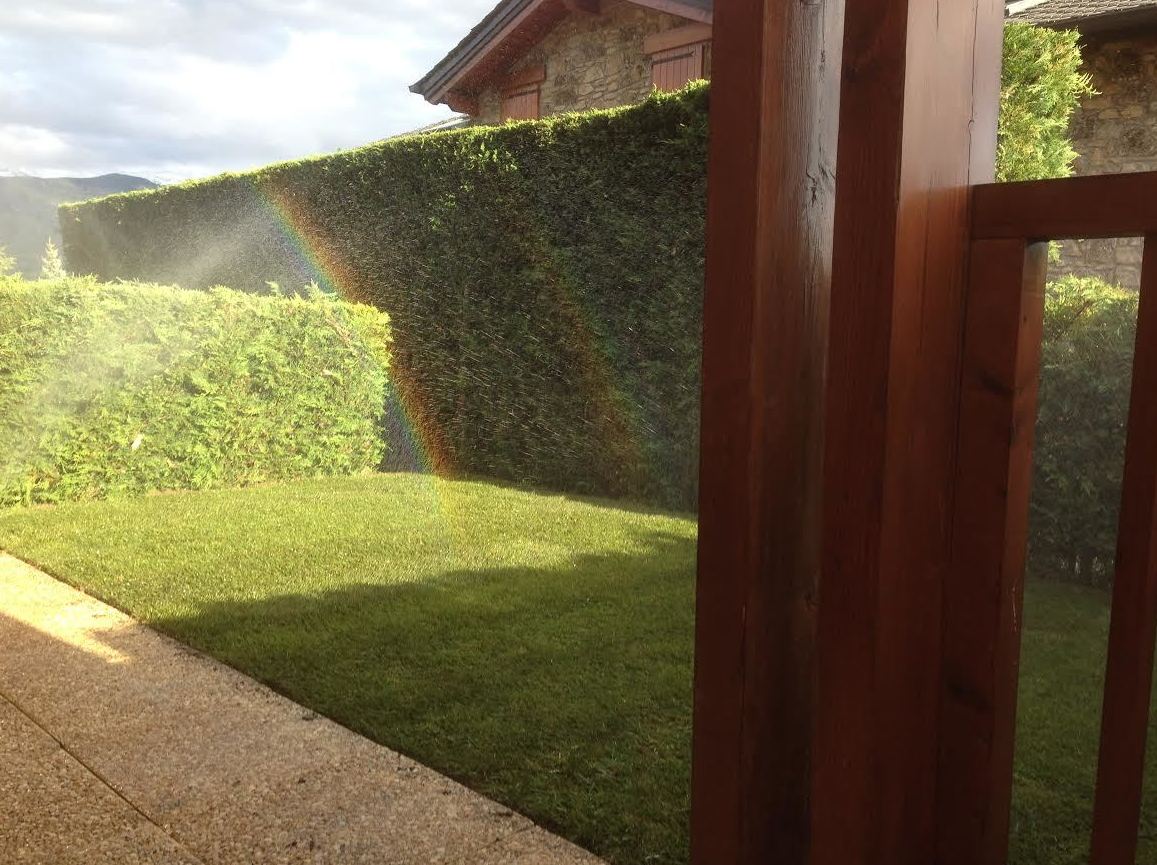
[592,61]
[1115,131]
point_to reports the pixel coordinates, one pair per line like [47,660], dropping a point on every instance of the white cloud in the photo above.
[30,143]
[178,88]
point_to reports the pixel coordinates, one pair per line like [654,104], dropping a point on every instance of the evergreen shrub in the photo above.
[122,389]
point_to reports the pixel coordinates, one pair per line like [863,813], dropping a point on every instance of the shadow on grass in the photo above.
[564,692]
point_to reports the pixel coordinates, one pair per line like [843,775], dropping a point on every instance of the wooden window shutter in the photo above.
[522,96]
[676,67]
[521,104]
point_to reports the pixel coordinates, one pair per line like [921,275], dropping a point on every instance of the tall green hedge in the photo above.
[114,389]
[544,281]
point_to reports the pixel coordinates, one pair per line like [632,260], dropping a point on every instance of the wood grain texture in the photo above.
[1133,629]
[916,78]
[769,249]
[984,592]
[1108,205]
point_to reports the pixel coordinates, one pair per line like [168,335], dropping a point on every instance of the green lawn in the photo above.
[536,647]
[1059,717]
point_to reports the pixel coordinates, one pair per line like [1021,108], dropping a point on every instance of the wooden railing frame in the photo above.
[1133,627]
[833,313]
[1108,205]
[984,590]
[872,342]
[868,409]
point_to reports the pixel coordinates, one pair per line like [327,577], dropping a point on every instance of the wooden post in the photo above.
[830,406]
[1133,628]
[769,246]
[985,586]
[917,126]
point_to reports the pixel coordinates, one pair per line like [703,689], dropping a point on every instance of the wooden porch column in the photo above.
[769,247]
[832,334]
[919,102]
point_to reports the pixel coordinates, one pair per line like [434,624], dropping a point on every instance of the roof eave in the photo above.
[432,84]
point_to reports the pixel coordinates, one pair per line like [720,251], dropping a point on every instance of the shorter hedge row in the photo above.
[119,389]
[1090,331]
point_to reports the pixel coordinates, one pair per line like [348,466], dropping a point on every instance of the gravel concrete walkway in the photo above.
[118,745]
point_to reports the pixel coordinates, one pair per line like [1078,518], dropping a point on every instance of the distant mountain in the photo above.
[28,209]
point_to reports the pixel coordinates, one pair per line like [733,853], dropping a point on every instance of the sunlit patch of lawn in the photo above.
[1058,732]
[536,647]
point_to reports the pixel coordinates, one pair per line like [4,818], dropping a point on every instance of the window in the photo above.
[522,94]
[679,56]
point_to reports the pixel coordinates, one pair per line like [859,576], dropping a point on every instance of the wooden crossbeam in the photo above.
[1111,205]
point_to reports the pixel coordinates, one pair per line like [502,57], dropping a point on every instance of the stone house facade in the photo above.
[592,61]
[536,58]
[1115,130]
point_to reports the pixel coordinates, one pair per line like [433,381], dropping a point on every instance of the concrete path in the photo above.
[118,745]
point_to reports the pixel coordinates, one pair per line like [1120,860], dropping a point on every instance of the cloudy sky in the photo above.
[171,89]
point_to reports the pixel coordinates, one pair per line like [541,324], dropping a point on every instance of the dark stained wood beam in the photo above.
[1114,205]
[919,100]
[984,592]
[769,248]
[462,103]
[833,333]
[1133,629]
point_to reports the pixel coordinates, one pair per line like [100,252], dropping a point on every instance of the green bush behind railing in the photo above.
[1087,358]
[121,389]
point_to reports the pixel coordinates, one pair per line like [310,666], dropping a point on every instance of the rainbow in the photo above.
[617,417]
